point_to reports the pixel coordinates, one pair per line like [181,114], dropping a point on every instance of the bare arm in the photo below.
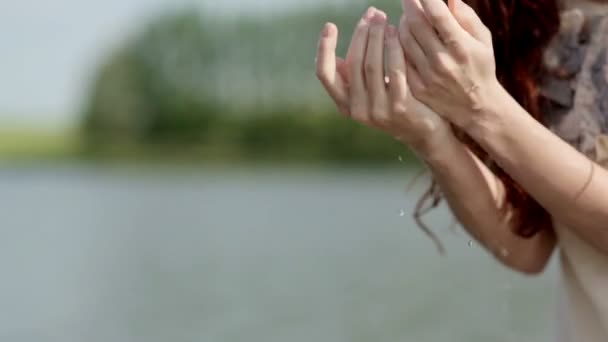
[474,193]
[462,87]
[477,198]
[571,187]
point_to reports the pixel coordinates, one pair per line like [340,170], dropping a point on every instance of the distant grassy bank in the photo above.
[38,144]
[311,142]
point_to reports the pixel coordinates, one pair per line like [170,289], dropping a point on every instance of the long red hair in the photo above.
[521,31]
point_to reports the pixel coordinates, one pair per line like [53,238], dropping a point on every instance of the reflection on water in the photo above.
[248,255]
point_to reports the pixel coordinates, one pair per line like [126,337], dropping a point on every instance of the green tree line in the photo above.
[239,87]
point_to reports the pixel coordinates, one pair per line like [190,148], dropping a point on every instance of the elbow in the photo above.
[532,269]
[531,261]
[527,267]
[533,255]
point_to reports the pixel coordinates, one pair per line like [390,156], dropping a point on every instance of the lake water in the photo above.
[114,254]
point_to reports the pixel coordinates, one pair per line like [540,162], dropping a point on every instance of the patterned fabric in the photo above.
[575,84]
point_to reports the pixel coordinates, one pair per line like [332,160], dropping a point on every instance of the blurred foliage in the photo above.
[237,87]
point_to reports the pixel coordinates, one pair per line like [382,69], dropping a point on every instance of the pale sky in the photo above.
[49,48]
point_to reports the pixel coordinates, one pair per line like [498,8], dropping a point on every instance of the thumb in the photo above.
[470,21]
[342,70]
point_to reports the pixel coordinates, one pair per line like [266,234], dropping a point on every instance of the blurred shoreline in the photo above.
[32,145]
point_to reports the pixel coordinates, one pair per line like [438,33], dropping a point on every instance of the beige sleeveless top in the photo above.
[576,89]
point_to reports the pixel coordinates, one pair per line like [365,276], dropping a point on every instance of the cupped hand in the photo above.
[452,51]
[371,84]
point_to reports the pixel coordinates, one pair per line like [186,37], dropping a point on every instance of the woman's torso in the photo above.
[576,89]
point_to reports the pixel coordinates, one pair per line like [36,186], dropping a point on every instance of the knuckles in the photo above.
[443,66]
[438,17]
[419,90]
[434,81]
[467,15]
[370,68]
[358,113]
[399,108]
[456,46]
[395,74]
[322,76]
[415,22]
[381,120]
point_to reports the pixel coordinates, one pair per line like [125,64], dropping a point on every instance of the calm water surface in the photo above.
[90,254]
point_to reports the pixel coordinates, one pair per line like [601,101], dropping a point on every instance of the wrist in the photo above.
[490,118]
[436,148]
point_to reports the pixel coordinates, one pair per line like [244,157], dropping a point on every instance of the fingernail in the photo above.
[326,30]
[369,14]
[379,18]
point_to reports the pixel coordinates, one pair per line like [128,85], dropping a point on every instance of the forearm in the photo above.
[476,197]
[565,182]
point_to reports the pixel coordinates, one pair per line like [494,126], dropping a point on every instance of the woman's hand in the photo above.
[452,51]
[363,91]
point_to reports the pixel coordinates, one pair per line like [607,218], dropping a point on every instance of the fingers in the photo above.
[395,67]
[412,49]
[358,84]
[440,17]
[343,71]
[374,62]
[327,66]
[415,82]
[470,22]
[355,62]
[419,90]
[422,30]
[364,19]
[452,5]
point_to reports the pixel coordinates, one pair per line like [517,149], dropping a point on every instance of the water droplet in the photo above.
[504,252]
[400,159]
[470,243]
[402,213]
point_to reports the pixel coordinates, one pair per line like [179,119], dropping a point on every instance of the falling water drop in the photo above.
[400,159]
[402,213]
[470,243]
